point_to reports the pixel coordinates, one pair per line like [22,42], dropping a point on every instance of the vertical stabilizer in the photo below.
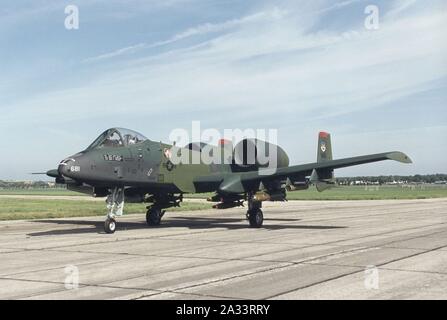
[324,151]
[323,178]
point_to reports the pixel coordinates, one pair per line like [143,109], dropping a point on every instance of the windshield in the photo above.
[117,137]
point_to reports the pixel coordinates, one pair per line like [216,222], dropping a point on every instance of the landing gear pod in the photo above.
[154,215]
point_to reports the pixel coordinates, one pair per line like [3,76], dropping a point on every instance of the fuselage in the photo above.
[141,165]
[124,158]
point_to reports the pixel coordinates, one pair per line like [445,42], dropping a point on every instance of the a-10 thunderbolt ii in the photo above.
[123,165]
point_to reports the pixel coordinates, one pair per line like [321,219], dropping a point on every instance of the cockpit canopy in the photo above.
[117,137]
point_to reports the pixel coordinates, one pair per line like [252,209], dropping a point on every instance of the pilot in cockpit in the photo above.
[117,137]
[129,139]
[114,140]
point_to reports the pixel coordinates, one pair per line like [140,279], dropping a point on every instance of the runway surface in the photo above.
[393,249]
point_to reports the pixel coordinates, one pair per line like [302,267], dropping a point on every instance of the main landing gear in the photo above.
[254,212]
[160,202]
[154,215]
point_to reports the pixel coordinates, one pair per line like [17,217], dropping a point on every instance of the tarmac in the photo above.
[390,249]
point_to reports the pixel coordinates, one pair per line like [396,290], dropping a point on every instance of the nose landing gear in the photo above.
[110,225]
[115,204]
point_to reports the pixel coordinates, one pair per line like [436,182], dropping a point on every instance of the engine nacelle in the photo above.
[251,154]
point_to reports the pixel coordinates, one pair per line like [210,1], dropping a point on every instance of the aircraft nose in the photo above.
[67,167]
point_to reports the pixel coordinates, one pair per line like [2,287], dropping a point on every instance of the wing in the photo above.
[307,169]
[240,182]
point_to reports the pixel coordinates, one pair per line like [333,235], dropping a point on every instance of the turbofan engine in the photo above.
[251,154]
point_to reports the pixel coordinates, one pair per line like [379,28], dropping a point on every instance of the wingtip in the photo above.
[399,156]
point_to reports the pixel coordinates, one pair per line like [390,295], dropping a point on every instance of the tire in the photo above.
[153,216]
[110,225]
[256,218]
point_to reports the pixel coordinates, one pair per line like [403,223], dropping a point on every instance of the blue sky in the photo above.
[298,66]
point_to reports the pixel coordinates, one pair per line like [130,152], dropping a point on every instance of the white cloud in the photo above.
[339,5]
[206,28]
[116,53]
[202,29]
[270,66]
[398,7]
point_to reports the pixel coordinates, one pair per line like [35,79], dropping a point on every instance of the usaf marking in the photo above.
[113,157]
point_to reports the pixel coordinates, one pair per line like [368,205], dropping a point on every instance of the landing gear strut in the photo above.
[254,212]
[115,204]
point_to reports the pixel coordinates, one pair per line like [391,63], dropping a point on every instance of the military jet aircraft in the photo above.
[123,165]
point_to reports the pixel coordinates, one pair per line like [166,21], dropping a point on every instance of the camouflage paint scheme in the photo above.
[143,171]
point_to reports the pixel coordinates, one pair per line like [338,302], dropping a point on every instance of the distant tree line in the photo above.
[27,184]
[418,178]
